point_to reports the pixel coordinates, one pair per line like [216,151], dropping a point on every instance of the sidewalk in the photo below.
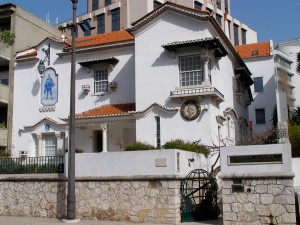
[12,220]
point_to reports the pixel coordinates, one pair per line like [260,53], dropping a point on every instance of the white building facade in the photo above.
[146,84]
[273,84]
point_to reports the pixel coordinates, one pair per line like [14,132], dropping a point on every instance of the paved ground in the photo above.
[10,220]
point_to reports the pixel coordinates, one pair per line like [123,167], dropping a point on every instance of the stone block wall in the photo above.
[156,201]
[262,201]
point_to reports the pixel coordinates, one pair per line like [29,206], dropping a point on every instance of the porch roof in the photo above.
[117,110]
[108,110]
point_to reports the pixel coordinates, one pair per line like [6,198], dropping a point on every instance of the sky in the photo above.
[277,20]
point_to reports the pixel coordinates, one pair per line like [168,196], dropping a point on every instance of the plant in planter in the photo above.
[8,38]
[138,145]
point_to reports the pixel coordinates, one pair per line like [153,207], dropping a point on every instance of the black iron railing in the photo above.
[31,165]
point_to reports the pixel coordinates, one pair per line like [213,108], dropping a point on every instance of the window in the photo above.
[258,84]
[219,5]
[191,70]
[197,6]
[244,32]
[236,34]
[107,2]
[100,80]
[158,143]
[260,116]
[101,24]
[229,28]
[219,19]
[95,5]
[115,16]
[156,4]
[50,145]
[4,81]
[226,6]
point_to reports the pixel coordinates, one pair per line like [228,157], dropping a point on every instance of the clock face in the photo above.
[190,109]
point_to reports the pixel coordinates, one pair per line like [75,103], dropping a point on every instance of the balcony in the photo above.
[198,92]
[4,92]
[5,52]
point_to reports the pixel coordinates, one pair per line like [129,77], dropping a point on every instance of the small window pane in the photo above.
[260,116]
[50,145]
[115,15]
[191,70]
[258,85]
[100,24]
[100,80]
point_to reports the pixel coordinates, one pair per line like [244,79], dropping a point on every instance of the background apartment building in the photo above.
[273,83]
[114,15]
[27,30]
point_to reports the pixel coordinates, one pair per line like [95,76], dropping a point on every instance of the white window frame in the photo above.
[100,82]
[191,78]
[48,148]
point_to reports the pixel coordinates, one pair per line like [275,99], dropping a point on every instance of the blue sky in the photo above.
[272,19]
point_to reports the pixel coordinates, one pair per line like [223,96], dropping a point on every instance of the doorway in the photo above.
[98,141]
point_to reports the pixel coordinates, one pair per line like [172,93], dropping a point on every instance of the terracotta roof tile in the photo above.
[28,54]
[100,39]
[108,110]
[255,50]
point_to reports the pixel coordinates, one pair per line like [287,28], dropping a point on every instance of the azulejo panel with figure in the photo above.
[49,87]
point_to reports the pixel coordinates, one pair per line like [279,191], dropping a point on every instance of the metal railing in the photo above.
[32,165]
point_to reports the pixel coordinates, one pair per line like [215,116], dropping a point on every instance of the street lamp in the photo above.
[71,198]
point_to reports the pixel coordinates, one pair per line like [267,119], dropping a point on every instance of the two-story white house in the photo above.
[173,74]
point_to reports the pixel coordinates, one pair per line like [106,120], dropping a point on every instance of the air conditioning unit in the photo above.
[86,88]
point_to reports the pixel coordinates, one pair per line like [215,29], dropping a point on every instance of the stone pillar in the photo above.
[40,144]
[206,81]
[58,144]
[104,137]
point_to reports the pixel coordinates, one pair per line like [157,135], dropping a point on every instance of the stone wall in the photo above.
[259,201]
[142,201]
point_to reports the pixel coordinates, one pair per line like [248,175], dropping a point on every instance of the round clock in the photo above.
[190,109]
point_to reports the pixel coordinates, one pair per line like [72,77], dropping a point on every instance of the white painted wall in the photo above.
[162,76]
[296,170]
[262,67]
[257,169]
[27,92]
[137,163]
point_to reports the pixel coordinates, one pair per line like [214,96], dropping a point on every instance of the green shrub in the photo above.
[138,145]
[187,146]
[294,134]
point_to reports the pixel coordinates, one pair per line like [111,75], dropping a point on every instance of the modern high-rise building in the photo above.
[114,15]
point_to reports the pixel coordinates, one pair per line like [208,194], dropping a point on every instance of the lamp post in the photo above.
[71,198]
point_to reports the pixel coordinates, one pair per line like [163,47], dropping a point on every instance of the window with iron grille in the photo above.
[101,24]
[100,80]
[191,70]
[115,19]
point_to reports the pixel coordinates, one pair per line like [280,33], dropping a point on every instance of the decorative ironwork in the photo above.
[32,165]
[41,65]
[198,91]
[199,196]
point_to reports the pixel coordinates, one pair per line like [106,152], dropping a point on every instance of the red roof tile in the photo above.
[255,50]
[108,110]
[100,39]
